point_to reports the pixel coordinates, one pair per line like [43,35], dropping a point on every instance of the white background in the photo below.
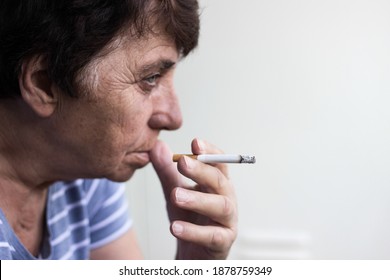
[304,86]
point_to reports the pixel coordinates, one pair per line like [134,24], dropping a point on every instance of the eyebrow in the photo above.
[161,65]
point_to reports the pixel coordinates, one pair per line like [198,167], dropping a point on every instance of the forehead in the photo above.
[142,52]
[129,58]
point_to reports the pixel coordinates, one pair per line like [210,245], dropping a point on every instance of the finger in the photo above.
[215,238]
[220,209]
[205,175]
[203,147]
[161,158]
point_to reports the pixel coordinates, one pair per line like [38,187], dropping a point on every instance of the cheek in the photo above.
[131,123]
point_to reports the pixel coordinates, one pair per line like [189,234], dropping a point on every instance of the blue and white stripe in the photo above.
[81,215]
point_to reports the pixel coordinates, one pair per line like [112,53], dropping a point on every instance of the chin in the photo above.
[121,176]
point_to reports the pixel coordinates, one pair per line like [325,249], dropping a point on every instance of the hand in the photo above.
[203,217]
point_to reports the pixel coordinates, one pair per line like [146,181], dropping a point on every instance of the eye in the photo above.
[147,84]
[152,80]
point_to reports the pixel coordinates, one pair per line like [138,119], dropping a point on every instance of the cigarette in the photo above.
[218,158]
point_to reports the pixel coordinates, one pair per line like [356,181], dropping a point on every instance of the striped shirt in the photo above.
[80,215]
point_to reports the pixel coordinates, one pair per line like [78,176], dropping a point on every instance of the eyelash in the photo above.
[148,83]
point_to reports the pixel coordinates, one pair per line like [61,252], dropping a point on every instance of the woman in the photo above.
[86,87]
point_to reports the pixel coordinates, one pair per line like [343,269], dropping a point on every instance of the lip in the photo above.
[142,158]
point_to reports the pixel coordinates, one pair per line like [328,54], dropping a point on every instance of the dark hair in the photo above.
[70,33]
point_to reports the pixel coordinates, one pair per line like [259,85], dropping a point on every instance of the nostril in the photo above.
[164,121]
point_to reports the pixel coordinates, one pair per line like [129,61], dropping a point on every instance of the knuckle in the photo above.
[228,208]
[221,180]
[217,240]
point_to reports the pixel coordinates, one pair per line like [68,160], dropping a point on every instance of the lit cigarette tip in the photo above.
[248,159]
[218,158]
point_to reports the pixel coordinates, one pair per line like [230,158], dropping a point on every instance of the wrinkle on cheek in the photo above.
[118,81]
[116,73]
[132,118]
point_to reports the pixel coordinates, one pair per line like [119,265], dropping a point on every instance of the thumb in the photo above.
[161,158]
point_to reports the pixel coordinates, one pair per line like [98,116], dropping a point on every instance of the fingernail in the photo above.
[201,145]
[177,228]
[181,195]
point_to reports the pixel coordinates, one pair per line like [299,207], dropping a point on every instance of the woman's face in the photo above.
[126,98]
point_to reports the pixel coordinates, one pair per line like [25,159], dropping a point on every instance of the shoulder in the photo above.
[92,193]
[5,246]
[93,212]
[85,188]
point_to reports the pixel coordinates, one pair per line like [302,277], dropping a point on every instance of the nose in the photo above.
[166,110]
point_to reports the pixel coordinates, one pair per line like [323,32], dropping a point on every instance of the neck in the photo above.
[22,206]
[25,212]
[24,153]
[23,180]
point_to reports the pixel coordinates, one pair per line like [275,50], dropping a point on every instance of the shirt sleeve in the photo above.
[108,210]
[5,247]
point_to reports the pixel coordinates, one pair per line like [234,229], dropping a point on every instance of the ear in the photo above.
[36,88]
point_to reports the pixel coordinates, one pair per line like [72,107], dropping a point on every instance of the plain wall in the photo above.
[304,86]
